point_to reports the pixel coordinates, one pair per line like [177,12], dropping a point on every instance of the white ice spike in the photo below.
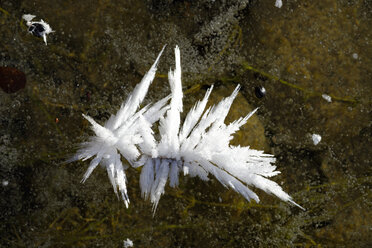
[200,146]
[122,135]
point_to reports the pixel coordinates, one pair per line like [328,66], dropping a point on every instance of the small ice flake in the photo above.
[316,138]
[278,3]
[128,243]
[5,183]
[327,97]
[38,29]
[355,56]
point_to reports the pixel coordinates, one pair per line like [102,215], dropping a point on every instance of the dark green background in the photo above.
[100,51]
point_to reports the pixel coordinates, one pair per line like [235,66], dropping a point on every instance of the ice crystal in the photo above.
[198,147]
[278,3]
[128,243]
[316,138]
[39,29]
[327,97]
[201,146]
[121,135]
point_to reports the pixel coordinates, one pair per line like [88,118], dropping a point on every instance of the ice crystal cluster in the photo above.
[197,147]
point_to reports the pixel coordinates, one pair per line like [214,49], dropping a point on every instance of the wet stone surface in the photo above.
[100,51]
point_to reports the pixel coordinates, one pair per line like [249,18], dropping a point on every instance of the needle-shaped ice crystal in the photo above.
[201,146]
[121,135]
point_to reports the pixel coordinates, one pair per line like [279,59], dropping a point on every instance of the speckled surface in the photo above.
[102,48]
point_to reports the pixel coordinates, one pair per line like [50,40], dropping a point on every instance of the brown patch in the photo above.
[12,79]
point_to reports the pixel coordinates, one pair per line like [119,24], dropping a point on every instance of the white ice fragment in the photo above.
[121,136]
[316,138]
[38,29]
[128,243]
[28,18]
[355,56]
[278,3]
[327,97]
[201,146]
[5,183]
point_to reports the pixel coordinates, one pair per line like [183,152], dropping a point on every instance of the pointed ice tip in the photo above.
[235,92]
[71,158]
[154,207]
[90,119]
[297,205]
[177,54]
[45,39]
[251,113]
[158,58]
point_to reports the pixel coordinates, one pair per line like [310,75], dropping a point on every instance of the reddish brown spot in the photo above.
[88,95]
[11,79]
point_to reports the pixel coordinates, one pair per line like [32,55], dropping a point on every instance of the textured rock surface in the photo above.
[102,48]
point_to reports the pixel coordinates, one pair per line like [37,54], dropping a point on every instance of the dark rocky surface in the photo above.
[100,51]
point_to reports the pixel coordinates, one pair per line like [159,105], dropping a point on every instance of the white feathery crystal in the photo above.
[121,135]
[200,147]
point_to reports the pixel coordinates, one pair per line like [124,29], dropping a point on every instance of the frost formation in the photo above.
[47,29]
[121,135]
[197,147]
